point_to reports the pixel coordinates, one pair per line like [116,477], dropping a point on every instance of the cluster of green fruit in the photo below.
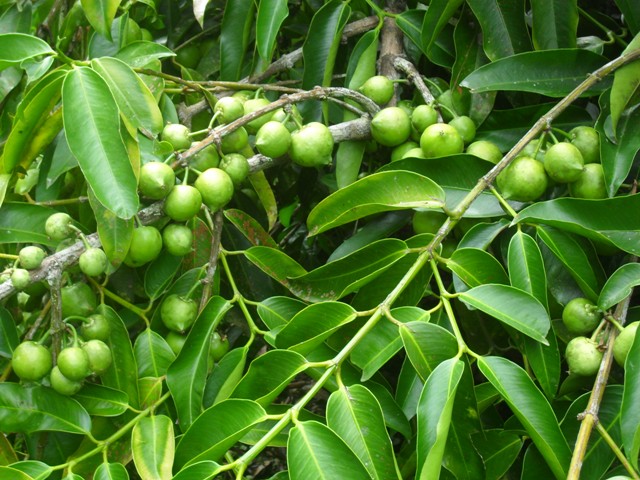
[583,354]
[86,356]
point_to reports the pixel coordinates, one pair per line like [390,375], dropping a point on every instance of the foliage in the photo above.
[333,337]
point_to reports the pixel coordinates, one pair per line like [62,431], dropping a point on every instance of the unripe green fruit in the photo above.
[533,149]
[177,135]
[99,355]
[156,180]
[563,162]
[465,127]
[97,327]
[587,139]
[31,361]
[176,341]
[524,180]
[624,342]
[391,126]
[378,88]
[73,363]
[78,300]
[177,239]
[146,244]
[219,347]
[62,384]
[273,139]
[252,105]
[441,139]
[236,166]
[590,184]
[398,152]
[188,56]
[20,278]
[183,203]
[31,257]
[583,356]
[93,262]
[228,109]
[216,188]
[485,150]
[178,313]
[206,158]
[234,141]
[422,117]
[58,226]
[581,316]
[312,145]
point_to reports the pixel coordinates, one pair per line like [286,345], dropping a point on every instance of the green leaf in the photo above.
[275,263]
[34,468]
[9,337]
[225,376]
[564,70]
[271,15]
[555,23]
[355,415]
[216,430]
[160,273]
[629,413]
[526,267]
[427,346]
[278,311]
[626,86]
[134,99]
[512,306]
[631,12]
[13,473]
[18,47]
[578,256]
[304,332]
[102,401]
[24,223]
[32,121]
[111,471]
[269,375]
[37,408]
[100,14]
[380,192]
[499,449]
[434,416]
[410,22]
[545,362]
[348,161]
[115,233]
[250,228]
[619,285]
[437,17]
[394,417]
[141,53]
[91,122]
[362,64]
[234,38]
[198,471]
[199,8]
[503,25]
[611,221]
[153,354]
[476,267]
[153,447]
[187,375]
[531,409]
[315,451]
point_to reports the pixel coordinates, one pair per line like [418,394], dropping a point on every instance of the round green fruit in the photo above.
[31,361]
[175,341]
[177,239]
[590,184]
[78,300]
[485,150]
[31,257]
[73,363]
[378,88]
[253,105]
[93,262]
[587,140]
[177,135]
[188,56]
[563,162]
[20,278]
[427,221]
[422,117]
[273,139]
[59,226]
[623,343]
[580,316]
[206,158]
[96,327]
[533,149]
[524,180]
[146,244]
[236,166]
[62,384]
[465,127]
[183,203]
[99,355]
[156,180]
[398,152]
[312,145]
[228,109]
[234,141]
[178,313]
[219,347]
[215,187]
[441,139]
[391,126]
[583,356]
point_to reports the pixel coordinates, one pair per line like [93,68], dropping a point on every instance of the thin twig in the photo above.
[207,281]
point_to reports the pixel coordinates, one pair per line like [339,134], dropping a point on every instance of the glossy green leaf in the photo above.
[393,415]
[619,285]
[111,471]
[409,389]
[150,390]
[545,361]
[34,468]
[199,8]
[141,53]
[355,415]
[13,474]
[277,311]
[631,11]
[30,121]
[503,27]
[578,256]
[267,199]
[275,263]
[271,15]
[198,471]
[153,354]
[434,416]
[153,447]
[410,22]
[626,86]
[526,267]
[336,279]
[268,375]
[24,223]
[102,401]
[160,273]
[362,64]
[611,221]
[123,373]
[629,413]
[476,267]
[91,121]
[499,449]
[511,306]
[216,430]
[234,38]
[564,70]
[380,192]
[481,235]
[37,408]
[225,376]
[115,233]
[555,23]
[250,228]
[9,337]
[532,410]
[348,161]
[134,99]
[100,14]
[187,375]
[427,346]
[304,332]
[315,451]
[18,47]
[438,15]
